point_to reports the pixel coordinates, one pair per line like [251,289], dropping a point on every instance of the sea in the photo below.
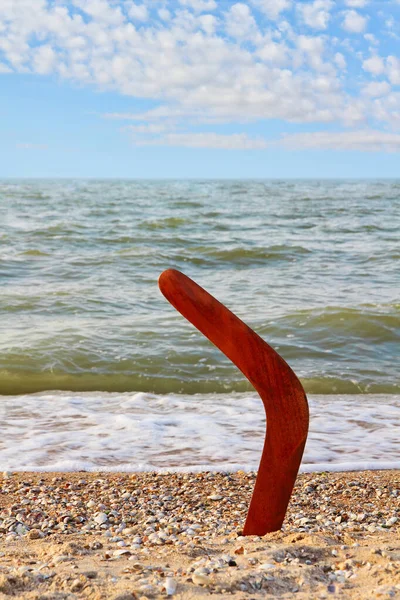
[98,372]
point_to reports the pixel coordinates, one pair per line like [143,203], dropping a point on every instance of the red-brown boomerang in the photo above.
[282,394]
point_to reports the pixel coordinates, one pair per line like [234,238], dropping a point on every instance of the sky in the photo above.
[200,88]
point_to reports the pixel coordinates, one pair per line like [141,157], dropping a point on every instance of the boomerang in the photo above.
[281,392]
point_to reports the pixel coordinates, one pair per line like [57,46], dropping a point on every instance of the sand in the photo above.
[147,535]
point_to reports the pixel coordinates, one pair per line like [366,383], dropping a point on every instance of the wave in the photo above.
[334,350]
[247,256]
[167,223]
[16,382]
[184,250]
[34,252]
[373,323]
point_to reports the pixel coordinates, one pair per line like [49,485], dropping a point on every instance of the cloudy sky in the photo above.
[200,88]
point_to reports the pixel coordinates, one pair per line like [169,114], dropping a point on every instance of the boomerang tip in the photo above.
[172,283]
[167,277]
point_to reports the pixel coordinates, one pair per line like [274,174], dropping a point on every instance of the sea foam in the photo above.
[60,431]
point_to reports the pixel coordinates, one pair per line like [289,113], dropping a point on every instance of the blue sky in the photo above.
[199,88]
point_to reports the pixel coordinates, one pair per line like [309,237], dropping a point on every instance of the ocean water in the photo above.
[98,371]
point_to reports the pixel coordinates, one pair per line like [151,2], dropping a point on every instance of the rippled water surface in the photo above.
[312,266]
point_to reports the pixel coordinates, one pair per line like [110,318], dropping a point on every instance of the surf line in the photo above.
[281,392]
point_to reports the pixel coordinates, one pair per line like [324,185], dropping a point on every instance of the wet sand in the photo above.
[65,536]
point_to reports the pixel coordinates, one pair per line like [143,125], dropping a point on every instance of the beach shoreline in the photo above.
[151,535]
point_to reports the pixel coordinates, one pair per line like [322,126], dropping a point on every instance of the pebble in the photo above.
[101,518]
[34,534]
[77,585]
[148,589]
[200,578]
[61,558]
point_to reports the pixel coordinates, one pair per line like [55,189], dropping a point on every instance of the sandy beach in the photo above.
[147,535]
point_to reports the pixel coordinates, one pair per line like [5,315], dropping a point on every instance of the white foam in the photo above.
[62,431]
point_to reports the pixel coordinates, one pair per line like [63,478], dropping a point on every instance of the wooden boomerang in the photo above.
[282,394]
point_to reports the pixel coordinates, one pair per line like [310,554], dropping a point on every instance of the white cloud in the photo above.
[272,8]
[199,5]
[316,14]
[390,22]
[340,60]
[377,88]
[164,14]
[240,23]
[354,22]
[371,39]
[44,59]
[101,10]
[148,128]
[207,140]
[374,65]
[387,109]
[356,3]
[208,23]
[313,49]
[393,69]
[138,12]
[361,141]
[269,51]
[155,114]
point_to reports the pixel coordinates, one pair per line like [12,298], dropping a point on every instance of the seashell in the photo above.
[170,586]
[200,576]
[201,579]
[121,552]
[266,566]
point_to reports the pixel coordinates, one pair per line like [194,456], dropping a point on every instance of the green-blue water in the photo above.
[312,266]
